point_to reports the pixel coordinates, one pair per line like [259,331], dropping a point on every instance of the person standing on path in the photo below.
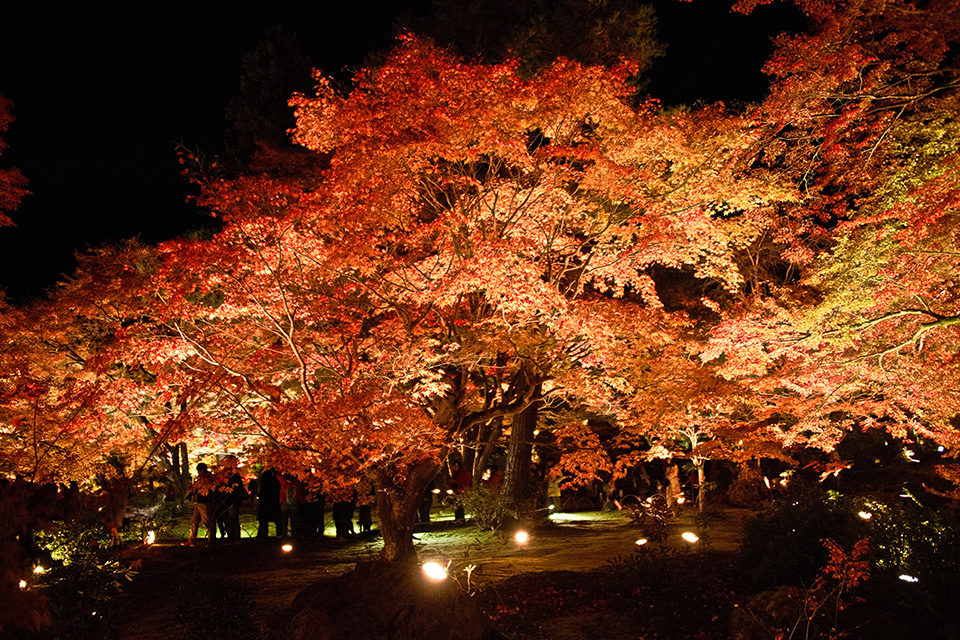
[460,482]
[268,504]
[203,490]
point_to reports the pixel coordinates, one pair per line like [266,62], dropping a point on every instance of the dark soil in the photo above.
[656,594]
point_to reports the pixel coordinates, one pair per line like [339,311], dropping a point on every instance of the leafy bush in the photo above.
[80,581]
[489,509]
[783,545]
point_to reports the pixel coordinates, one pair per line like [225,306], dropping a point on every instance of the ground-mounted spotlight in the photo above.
[23,584]
[151,537]
[286,548]
[908,578]
[551,507]
[866,515]
[434,570]
[521,537]
[38,569]
[681,499]
[690,537]
[641,541]
[436,491]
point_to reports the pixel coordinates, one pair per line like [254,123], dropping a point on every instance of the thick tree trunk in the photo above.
[516,477]
[397,508]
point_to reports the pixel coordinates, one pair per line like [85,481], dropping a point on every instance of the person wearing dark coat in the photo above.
[268,504]
[343,517]
[460,482]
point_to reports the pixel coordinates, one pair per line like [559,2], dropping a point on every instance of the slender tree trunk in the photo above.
[516,477]
[397,508]
[701,485]
[489,444]
[468,453]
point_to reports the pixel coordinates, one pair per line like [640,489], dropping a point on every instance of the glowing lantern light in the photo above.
[434,571]
[681,500]
[521,537]
[907,578]
[436,490]
[690,536]
[23,584]
[151,537]
[866,515]
[449,492]
[38,569]
[641,541]
[287,548]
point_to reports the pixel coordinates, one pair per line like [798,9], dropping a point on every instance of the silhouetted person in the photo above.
[291,495]
[268,504]
[343,518]
[312,511]
[365,497]
[231,493]
[426,502]
[460,482]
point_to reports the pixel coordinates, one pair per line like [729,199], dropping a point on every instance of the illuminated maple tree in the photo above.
[863,333]
[453,253]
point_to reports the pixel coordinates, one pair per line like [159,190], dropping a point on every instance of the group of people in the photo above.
[297,509]
[293,507]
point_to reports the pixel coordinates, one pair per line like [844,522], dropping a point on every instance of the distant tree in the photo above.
[12,183]
[592,32]
[259,116]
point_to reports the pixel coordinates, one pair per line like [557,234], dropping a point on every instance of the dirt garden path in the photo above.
[270,578]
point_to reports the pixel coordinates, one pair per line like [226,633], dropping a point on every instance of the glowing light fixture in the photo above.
[641,541]
[436,490]
[521,537]
[287,548]
[681,500]
[449,492]
[866,515]
[38,569]
[23,584]
[766,481]
[690,536]
[151,537]
[907,578]
[551,507]
[434,571]
[941,448]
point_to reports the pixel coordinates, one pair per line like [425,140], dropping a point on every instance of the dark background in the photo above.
[104,92]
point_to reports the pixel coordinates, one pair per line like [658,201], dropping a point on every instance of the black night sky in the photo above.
[103,93]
